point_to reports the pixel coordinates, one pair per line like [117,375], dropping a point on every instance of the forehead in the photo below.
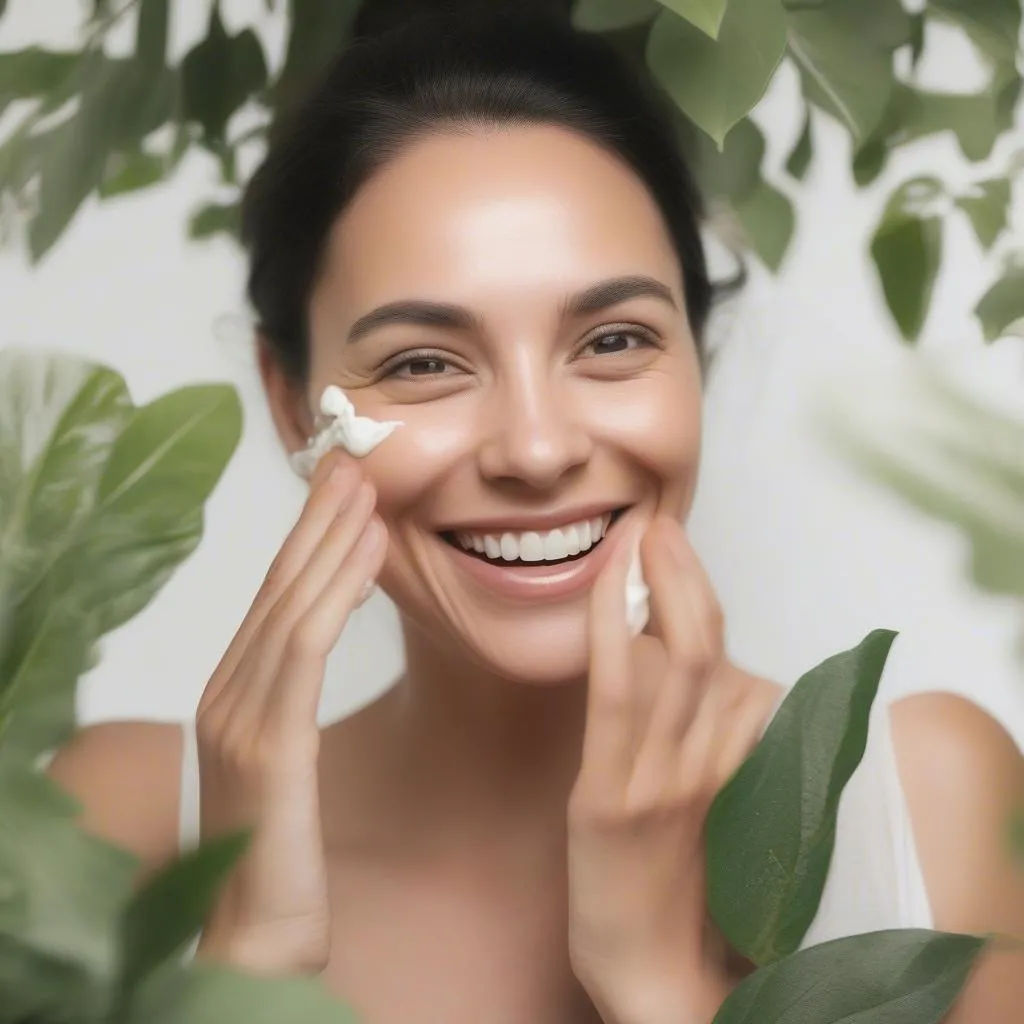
[487,209]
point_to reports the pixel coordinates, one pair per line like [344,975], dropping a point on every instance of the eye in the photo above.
[618,341]
[418,364]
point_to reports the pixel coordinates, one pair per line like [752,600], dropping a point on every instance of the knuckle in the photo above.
[304,642]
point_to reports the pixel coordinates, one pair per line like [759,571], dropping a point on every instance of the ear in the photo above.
[289,404]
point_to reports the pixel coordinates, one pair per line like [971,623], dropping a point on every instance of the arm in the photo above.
[964,779]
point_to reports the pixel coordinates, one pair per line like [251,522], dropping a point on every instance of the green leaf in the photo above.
[800,158]
[215,218]
[1002,306]
[37,987]
[131,172]
[768,221]
[771,829]
[148,515]
[320,28]
[151,34]
[706,15]
[907,251]
[917,38]
[993,25]
[906,976]
[214,995]
[65,888]
[612,15]
[99,503]
[844,52]
[121,103]
[33,72]
[219,74]
[735,170]
[171,908]
[988,208]
[717,83]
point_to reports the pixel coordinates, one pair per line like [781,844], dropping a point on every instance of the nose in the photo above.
[535,435]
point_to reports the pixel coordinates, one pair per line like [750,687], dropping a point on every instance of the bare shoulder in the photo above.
[963,776]
[127,777]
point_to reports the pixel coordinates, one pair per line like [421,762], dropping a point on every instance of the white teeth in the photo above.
[549,546]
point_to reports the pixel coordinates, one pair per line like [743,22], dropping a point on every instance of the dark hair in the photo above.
[437,72]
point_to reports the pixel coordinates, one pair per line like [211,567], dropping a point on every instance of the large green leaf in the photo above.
[66,888]
[994,25]
[717,83]
[171,908]
[844,51]
[768,221]
[59,418]
[99,503]
[907,976]
[907,251]
[706,15]
[319,29]
[219,74]
[1002,306]
[612,15]
[771,829]
[214,995]
[988,206]
[148,514]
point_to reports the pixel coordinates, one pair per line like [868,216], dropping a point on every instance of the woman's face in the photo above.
[514,298]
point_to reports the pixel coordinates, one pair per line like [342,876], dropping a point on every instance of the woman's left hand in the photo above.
[661,739]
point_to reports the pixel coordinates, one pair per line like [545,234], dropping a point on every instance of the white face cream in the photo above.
[637,596]
[358,435]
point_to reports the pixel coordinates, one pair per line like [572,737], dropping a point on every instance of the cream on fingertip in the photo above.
[358,435]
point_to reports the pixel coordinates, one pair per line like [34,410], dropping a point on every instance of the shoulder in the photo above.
[963,776]
[127,776]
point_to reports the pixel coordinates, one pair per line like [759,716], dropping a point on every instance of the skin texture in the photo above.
[513,832]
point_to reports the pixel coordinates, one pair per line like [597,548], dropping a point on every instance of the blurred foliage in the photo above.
[99,501]
[102,125]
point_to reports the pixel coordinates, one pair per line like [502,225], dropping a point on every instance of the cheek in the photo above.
[407,468]
[656,421]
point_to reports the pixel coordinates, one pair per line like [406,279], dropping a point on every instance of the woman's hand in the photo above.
[660,742]
[258,734]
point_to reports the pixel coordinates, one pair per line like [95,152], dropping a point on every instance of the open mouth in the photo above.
[569,543]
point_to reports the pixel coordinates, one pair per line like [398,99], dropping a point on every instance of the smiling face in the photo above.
[514,298]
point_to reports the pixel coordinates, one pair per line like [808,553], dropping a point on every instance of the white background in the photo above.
[806,557]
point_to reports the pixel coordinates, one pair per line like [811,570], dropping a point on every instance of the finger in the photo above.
[608,734]
[319,630]
[687,621]
[333,486]
[272,653]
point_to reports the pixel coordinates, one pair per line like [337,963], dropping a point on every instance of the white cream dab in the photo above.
[358,435]
[637,596]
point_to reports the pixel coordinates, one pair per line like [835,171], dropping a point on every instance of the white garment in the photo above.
[875,880]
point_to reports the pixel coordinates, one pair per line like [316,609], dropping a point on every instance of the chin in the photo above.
[547,650]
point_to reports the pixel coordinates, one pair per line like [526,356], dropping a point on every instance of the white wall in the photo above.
[806,557]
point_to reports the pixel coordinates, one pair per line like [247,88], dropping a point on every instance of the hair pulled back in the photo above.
[448,71]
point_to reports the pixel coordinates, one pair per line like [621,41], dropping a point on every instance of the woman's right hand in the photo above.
[258,735]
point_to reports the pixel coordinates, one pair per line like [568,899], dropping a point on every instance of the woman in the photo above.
[482,228]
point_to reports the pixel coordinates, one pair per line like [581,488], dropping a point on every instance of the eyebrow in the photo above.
[423,313]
